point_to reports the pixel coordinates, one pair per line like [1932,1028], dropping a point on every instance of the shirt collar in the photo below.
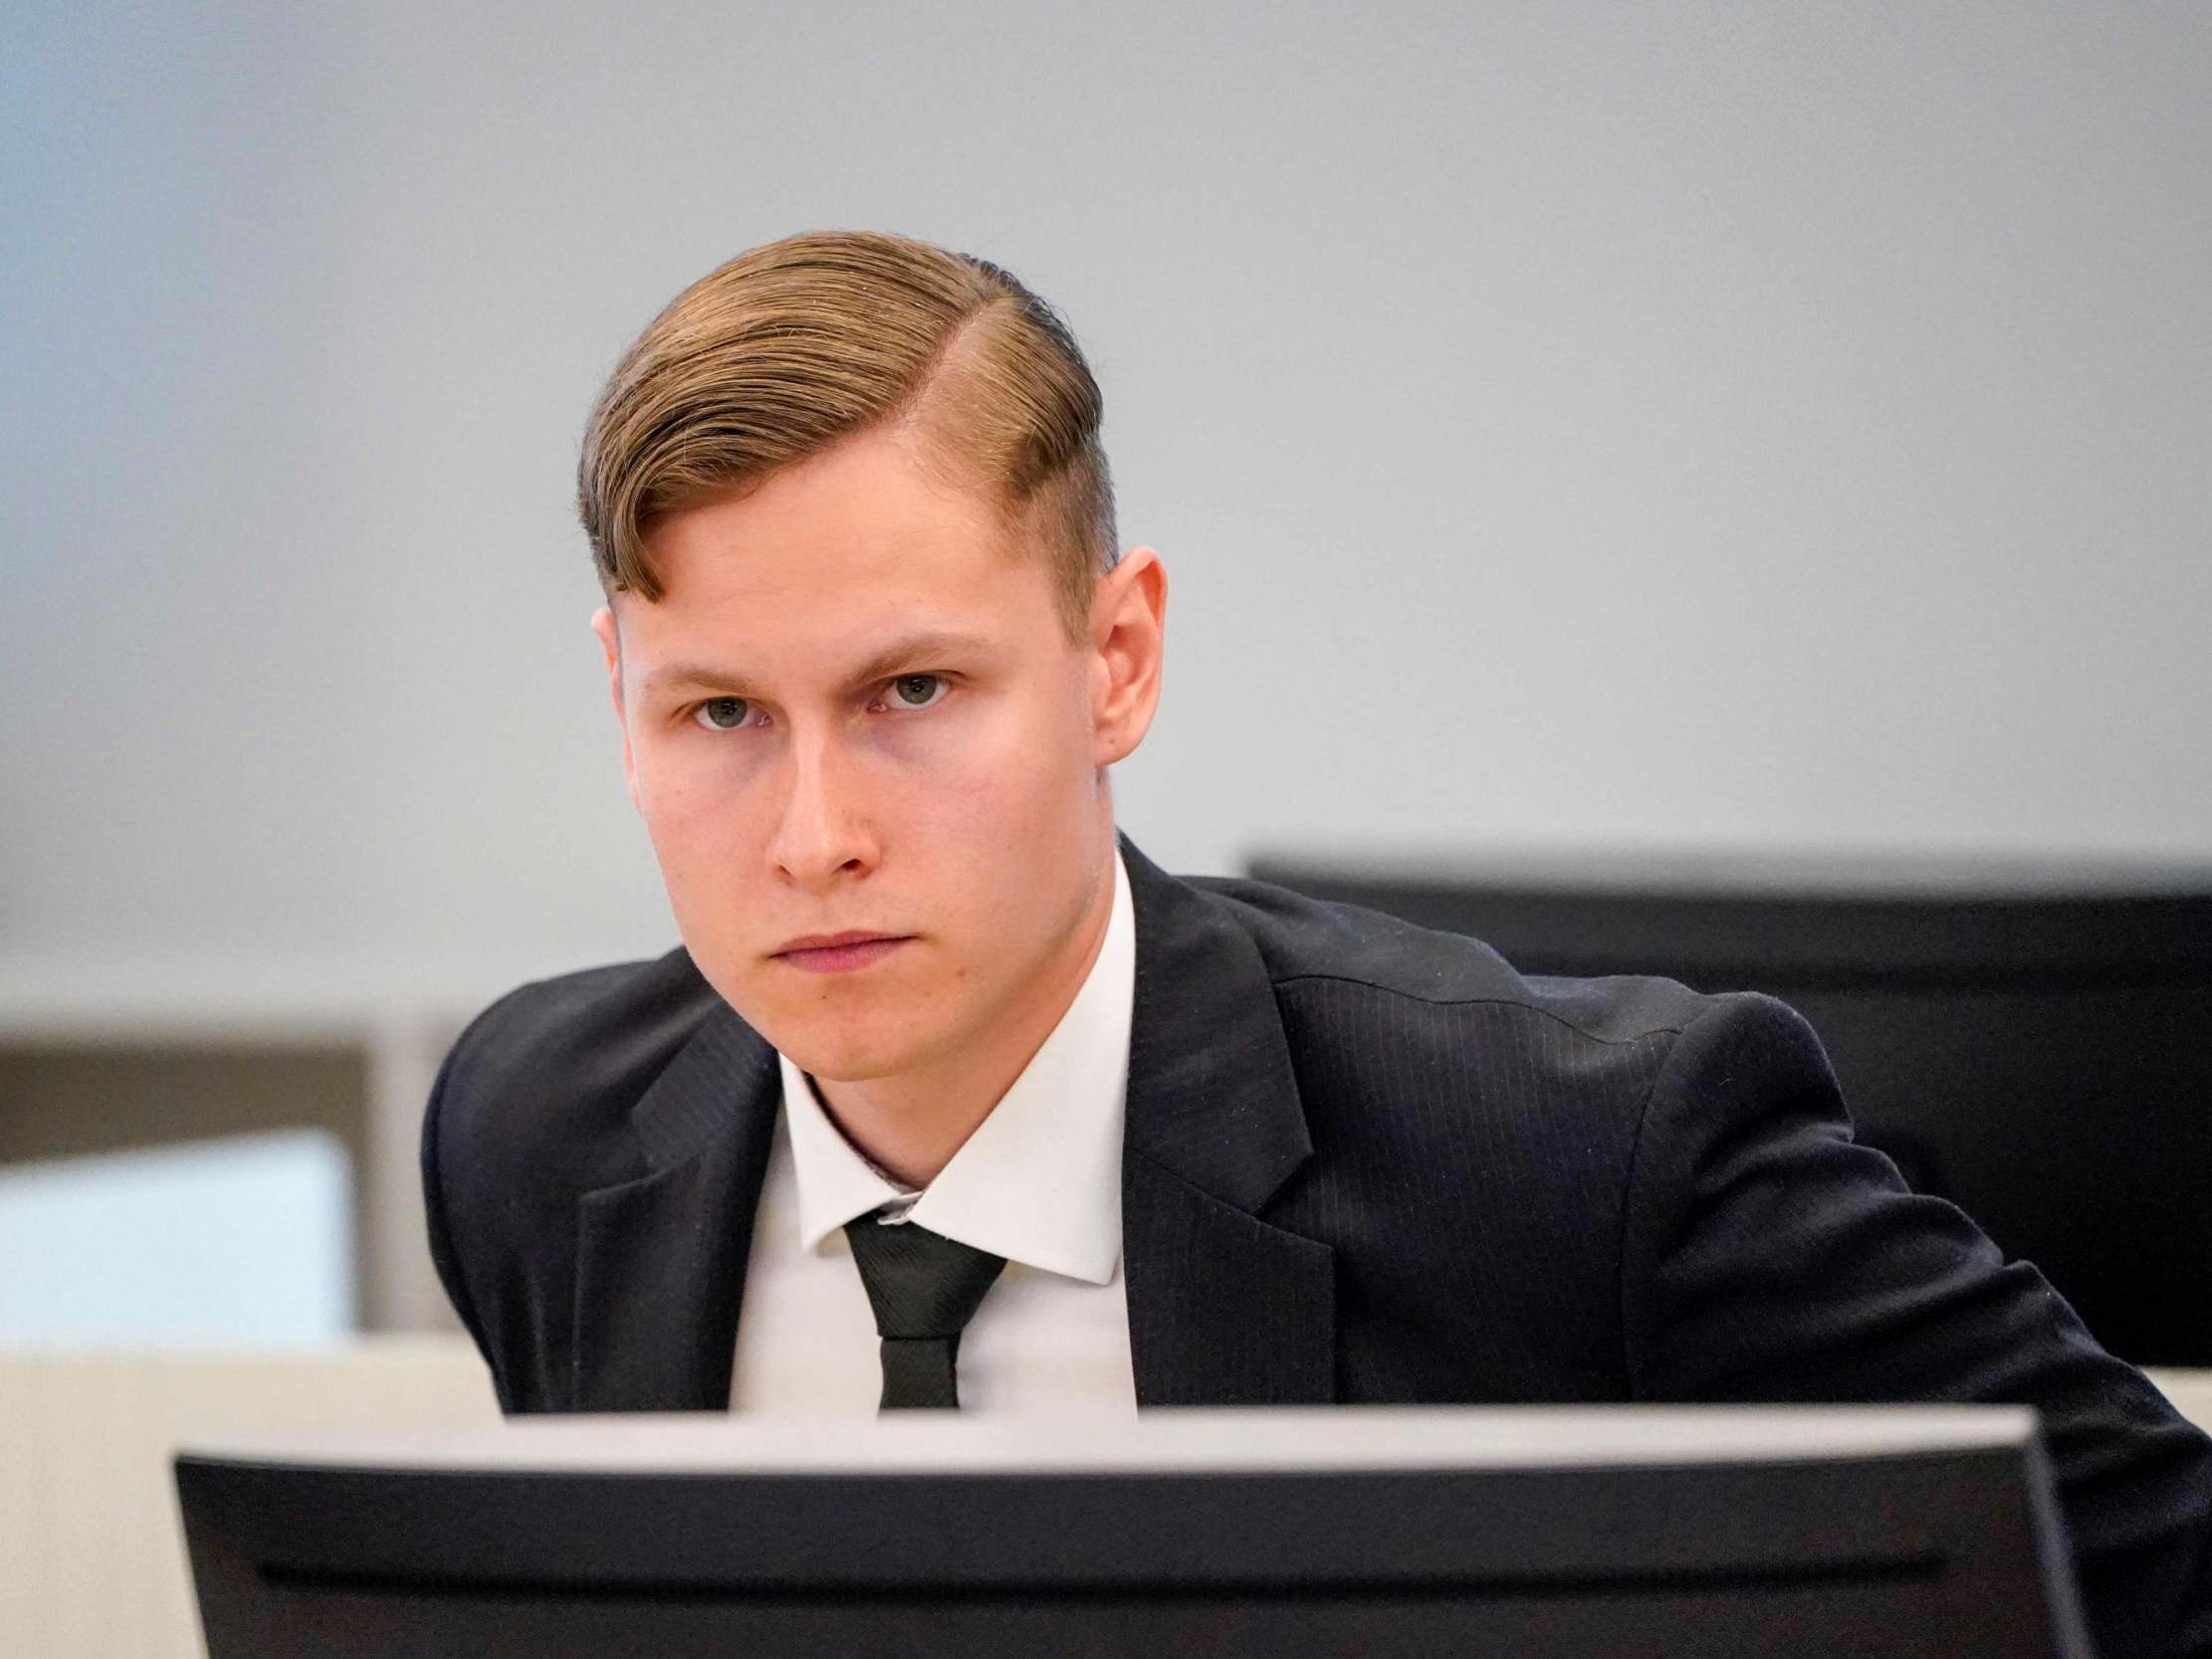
[1040,1180]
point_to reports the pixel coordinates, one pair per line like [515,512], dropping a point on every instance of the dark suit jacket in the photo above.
[1363,1163]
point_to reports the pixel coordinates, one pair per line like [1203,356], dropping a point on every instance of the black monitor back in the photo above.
[2042,1058]
[1938,1550]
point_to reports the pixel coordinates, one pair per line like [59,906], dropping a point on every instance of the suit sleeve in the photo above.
[434,1204]
[445,1251]
[1767,1256]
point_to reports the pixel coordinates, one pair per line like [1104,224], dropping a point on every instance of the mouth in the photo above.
[838,953]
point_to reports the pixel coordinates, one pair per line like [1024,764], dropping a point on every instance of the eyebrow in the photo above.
[899,653]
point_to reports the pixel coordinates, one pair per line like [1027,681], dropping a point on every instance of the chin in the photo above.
[830,1043]
[844,1061]
[850,1028]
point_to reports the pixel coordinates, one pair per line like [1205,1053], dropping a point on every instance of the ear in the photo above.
[1128,613]
[610,642]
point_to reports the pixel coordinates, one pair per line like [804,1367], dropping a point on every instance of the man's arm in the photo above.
[1768,1255]
[442,1252]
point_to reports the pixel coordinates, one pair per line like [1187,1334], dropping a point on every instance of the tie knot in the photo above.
[921,1284]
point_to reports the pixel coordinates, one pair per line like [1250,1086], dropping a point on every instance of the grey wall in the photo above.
[1702,426]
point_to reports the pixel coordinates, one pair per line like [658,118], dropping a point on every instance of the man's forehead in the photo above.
[823,624]
[867,510]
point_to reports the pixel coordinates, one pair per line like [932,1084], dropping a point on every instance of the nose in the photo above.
[821,834]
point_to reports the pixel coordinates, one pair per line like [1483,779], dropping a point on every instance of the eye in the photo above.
[723,713]
[918,690]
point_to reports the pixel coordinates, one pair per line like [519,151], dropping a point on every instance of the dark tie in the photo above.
[923,1288]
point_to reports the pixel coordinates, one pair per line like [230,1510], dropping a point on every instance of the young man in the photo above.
[950,1096]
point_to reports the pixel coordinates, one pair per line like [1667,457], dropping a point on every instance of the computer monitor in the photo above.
[2033,1044]
[1597,1531]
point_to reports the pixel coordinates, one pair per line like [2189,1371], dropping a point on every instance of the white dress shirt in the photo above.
[1038,1182]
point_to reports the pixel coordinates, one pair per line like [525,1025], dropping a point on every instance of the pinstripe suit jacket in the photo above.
[1363,1163]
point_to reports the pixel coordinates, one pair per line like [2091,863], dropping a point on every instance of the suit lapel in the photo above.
[1224,1307]
[660,1260]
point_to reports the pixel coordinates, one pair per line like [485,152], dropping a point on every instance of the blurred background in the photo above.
[1704,446]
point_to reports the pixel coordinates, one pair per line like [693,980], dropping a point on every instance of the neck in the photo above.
[910,1125]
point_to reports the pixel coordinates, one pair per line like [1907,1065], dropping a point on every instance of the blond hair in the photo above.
[798,344]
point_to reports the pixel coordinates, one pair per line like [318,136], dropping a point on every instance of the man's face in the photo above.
[854,712]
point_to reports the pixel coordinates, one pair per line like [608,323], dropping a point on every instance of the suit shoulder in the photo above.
[1306,941]
[545,1078]
[664,994]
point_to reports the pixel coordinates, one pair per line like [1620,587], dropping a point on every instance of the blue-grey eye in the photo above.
[916,691]
[723,713]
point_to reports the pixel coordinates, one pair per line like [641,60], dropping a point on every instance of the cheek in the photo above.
[999,822]
[1004,782]
[694,808]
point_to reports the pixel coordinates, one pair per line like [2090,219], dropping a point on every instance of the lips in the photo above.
[827,941]
[838,953]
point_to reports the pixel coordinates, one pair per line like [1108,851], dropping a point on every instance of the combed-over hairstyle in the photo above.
[798,344]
